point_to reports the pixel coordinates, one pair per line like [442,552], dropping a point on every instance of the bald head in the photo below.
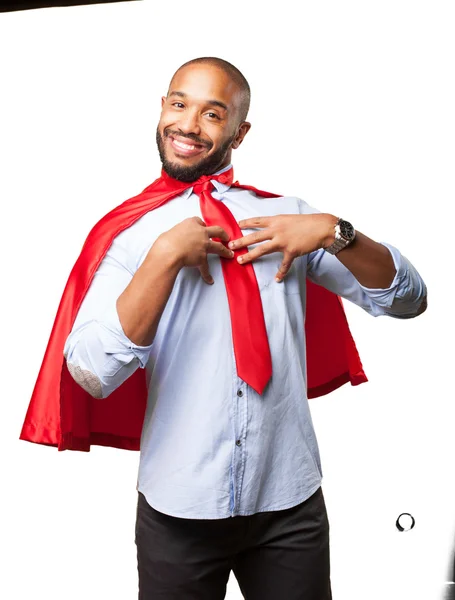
[234,75]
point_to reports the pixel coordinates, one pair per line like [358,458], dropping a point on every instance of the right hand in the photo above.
[190,241]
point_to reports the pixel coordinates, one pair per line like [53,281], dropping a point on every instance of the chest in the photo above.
[242,204]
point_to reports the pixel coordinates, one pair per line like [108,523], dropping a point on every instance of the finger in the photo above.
[220,249]
[284,268]
[205,273]
[218,232]
[255,222]
[252,238]
[260,250]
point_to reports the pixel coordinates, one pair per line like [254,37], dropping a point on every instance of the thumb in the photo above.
[205,273]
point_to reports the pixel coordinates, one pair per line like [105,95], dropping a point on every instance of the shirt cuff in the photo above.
[111,323]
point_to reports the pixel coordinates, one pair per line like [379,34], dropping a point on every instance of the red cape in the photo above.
[62,414]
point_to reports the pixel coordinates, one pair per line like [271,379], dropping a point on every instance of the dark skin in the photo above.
[202,111]
[188,108]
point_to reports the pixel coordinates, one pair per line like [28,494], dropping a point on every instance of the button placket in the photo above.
[238,442]
[241,409]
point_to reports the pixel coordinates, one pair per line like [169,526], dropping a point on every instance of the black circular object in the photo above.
[346,229]
[400,527]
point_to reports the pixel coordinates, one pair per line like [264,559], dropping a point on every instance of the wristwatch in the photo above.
[344,235]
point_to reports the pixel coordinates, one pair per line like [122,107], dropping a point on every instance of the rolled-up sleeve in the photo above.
[404,299]
[99,355]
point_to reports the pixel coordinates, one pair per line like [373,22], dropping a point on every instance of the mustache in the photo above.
[189,136]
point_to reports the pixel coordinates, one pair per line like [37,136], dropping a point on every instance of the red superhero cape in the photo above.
[62,414]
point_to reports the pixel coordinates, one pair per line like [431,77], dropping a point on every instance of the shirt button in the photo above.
[238,442]
[239,393]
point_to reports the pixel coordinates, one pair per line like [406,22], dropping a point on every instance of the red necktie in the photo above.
[251,346]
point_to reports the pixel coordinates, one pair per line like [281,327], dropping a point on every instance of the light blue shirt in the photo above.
[211,447]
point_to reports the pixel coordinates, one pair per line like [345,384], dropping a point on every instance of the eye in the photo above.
[177,104]
[213,115]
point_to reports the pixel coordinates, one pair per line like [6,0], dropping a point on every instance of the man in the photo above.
[230,473]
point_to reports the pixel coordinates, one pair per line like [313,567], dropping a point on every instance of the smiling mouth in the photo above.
[185,149]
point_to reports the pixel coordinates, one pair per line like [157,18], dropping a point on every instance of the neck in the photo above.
[173,180]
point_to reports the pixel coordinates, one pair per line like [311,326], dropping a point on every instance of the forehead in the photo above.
[202,83]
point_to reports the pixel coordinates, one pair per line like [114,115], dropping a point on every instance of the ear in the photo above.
[243,130]
[163,100]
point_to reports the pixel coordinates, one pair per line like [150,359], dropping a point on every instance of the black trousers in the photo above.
[277,555]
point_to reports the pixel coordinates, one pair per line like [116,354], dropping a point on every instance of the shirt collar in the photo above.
[219,187]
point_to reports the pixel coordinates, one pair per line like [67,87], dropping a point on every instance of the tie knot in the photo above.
[204,183]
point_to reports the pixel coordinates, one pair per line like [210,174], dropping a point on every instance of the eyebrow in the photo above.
[211,102]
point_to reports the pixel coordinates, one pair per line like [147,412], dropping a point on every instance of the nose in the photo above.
[189,122]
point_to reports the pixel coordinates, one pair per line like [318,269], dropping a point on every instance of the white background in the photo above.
[353,111]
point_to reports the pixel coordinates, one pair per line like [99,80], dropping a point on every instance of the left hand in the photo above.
[293,235]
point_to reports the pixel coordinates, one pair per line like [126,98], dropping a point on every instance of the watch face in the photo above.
[347,230]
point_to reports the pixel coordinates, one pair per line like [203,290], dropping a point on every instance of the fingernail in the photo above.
[231,244]
[240,259]
[211,280]
[278,280]
[232,254]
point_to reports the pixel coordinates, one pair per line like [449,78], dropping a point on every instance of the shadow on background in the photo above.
[10,6]
[449,592]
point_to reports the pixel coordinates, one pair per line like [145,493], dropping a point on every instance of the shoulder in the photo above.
[305,208]
[291,204]
[128,233]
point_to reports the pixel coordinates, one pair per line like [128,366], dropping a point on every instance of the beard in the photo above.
[190,173]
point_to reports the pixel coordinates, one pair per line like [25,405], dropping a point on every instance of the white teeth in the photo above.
[184,146]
